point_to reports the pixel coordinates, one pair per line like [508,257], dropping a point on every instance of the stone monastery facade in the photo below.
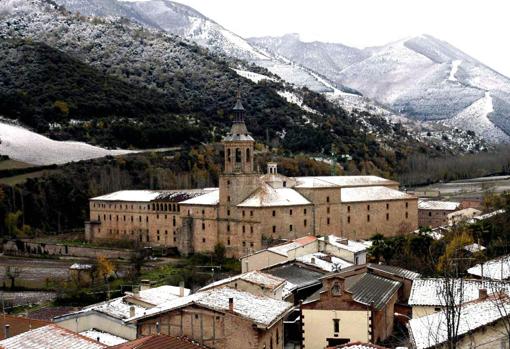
[249,208]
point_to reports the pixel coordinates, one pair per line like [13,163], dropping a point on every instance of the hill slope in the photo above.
[422,77]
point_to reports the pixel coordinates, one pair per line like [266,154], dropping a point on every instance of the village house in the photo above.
[13,325]
[494,269]
[107,319]
[160,342]
[483,323]
[464,215]
[222,317]
[433,214]
[350,306]
[429,296]
[248,209]
[330,249]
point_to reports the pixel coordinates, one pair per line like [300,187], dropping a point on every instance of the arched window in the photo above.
[228,155]
[248,155]
[238,155]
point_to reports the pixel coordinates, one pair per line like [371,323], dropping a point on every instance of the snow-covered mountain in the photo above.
[24,145]
[423,78]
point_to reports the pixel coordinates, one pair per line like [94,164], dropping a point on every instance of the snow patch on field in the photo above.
[255,77]
[293,98]
[476,118]
[21,144]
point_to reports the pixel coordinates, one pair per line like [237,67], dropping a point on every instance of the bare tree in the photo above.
[12,273]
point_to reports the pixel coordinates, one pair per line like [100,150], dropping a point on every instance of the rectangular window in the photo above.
[387,206]
[274,213]
[203,226]
[274,228]
[349,209]
[348,219]
[368,218]
[244,213]
[328,221]
[304,211]
[304,222]
[290,212]
[228,212]
[203,239]
[328,210]
[407,205]
[387,216]
[251,213]
[407,215]
[368,207]
[290,227]
[336,325]
[327,199]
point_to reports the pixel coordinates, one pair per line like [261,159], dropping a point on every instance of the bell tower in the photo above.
[238,144]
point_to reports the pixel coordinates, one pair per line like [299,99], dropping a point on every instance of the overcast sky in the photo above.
[480,28]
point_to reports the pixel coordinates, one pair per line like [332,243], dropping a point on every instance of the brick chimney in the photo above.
[145,284]
[231,304]
[6,330]
[482,293]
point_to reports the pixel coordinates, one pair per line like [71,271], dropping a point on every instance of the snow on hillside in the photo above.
[293,98]
[21,144]
[476,118]
[455,67]
[255,77]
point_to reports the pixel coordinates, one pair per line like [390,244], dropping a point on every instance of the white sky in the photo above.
[479,28]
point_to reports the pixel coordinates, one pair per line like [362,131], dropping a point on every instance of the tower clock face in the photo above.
[336,290]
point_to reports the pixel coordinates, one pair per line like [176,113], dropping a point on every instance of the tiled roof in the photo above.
[373,289]
[283,249]
[48,313]
[324,261]
[208,199]
[495,269]
[158,295]
[438,205]
[18,325]
[431,331]
[376,193]
[261,310]
[430,291]
[152,195]
[160,342]
[341,181]
[345,244]
[50,337]
[400,272]
[267,196]
[255,277]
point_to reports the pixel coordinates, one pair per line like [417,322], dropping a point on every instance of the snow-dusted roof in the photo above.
[438,205]
[261,310]
[210,198]
[429,331]
[430,291]
[158,295]
[267,196]
[50,337]
[152,195]
[341,181]
[103,337]
[117,308]
[486,216]
[284,249]
[375,193]
[255,277]
[495,269]
[345,244]
[324,261]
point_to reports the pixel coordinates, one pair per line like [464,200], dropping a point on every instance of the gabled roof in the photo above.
[50,337]
[372,289]
[397,271]
[158,295]
[19,325]
[431,330]
[324,261]
[431,292]
[261,310]
[254,277]
[374,193]
[438,205]
[267,196]
[160,342]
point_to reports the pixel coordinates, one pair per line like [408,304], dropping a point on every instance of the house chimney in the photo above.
[482,293]
[181,289]
[145,285]
[158,330]
[136,291]
[6,330]
[312,260]
[231,304]
[132,311]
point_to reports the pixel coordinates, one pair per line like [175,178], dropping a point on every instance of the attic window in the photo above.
[336,290]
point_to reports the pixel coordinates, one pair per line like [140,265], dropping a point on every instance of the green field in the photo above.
[13,164]
[23,177]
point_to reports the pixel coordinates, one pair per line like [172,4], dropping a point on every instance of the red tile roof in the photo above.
[160,342]
[18,325]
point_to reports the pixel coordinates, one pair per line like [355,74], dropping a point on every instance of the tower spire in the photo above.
[238,107]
